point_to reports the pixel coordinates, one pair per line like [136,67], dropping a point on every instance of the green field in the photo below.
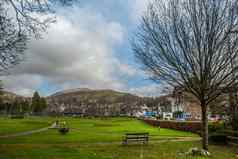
[10,126]
[95,139]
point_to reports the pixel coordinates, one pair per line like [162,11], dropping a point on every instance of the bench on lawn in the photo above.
[135,137]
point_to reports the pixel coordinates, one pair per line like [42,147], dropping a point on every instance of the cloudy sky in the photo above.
[88,47]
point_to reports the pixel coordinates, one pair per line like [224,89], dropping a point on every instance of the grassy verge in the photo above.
[167,150]
[11,126]
[96,139]
[93,130]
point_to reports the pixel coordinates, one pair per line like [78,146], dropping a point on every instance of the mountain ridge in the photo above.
[86,90]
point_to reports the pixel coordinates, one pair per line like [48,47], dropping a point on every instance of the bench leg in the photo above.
[146,141]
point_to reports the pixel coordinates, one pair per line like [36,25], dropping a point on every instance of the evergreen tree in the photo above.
[25,106]
[43,104]
[36,103]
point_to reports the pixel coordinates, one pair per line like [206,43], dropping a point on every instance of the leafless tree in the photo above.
[185,43]
[19,21]
[233,93]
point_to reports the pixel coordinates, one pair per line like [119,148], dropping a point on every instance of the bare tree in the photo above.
[19,21]
[232,92]
[185,43]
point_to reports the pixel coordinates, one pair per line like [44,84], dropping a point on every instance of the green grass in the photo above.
[11,126]
[166,150]
[96,139]
[96,130]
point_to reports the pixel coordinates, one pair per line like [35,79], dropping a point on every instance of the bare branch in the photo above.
[189,43]
[19,21]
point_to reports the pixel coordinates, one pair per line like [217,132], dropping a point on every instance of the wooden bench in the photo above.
[135,137]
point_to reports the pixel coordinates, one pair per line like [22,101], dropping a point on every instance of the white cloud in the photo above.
[22,84]
[150,90]
[129,70]
[138,7]
[74,53]
[78,51]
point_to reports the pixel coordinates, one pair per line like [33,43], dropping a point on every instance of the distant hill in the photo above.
[70,91]
[9,97]
[105,102]
[9,94]
[93,102]
[88,94]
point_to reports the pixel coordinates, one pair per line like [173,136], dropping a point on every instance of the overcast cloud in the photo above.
[79,51]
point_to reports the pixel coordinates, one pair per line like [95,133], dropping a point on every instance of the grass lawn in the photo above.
[11,126]
[97,139]
[90,131]
[166,150]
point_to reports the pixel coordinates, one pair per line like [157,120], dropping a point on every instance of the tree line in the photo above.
[31,106]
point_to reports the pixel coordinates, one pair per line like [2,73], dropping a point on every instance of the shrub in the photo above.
[218,138]
[230,132]
[177,125]
[215,126]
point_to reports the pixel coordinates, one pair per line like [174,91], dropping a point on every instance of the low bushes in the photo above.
[218,138]
[152,122]
[216,127]
[219,135]
[230,132]
[190,126]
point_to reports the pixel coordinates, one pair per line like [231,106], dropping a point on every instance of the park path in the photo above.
[26,133]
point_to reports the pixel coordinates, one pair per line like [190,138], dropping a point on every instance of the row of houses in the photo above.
[169,108]
[165,107]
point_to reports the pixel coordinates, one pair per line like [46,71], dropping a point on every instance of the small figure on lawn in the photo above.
[57,123]
[63,128]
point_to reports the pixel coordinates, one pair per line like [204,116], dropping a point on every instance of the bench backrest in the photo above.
[137,134]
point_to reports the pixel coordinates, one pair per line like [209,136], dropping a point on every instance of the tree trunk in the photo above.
[204,127]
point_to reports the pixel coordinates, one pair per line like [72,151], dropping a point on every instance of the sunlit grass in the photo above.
[11,126]
[95,139]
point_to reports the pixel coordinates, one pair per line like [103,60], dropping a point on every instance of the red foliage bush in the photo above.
[191,126]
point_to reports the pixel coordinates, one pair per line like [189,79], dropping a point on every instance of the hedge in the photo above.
[229,132]
[218,138]
[191,126]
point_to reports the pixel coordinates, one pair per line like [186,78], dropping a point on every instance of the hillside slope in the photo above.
[93,102]
[9,97]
